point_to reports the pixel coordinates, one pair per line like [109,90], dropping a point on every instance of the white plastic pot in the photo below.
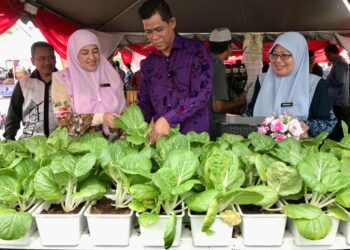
[109,229]
[153,235]
[26,238]
[262,229]
[221,237]
[60,229]
[344,228]
[301,241]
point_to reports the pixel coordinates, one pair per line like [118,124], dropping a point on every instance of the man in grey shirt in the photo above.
[220,47]
[338,88]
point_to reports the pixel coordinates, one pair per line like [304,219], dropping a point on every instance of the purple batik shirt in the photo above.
[178,87]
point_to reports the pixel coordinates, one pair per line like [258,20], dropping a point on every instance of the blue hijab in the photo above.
[293,88]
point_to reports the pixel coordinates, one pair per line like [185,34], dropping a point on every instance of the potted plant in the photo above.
[17,203]
[159,204]
[315,221]
[211,211]
[17,200]
[273,179]
[110,219]
[65,185]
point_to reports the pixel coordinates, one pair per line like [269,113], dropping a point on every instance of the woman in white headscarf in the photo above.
[287,87]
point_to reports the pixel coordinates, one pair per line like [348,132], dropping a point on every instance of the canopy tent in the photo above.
[317,19]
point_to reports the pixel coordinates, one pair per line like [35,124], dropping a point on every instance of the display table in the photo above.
[136,242]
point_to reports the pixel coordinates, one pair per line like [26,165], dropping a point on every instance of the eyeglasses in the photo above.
[284,57]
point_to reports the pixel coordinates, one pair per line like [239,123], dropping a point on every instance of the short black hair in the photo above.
[218,47]
[331,48]
[311,53]
[40,44]
[151,7]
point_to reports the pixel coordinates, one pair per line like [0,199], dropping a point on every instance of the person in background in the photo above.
[31,100]
[20,73]
[87,95]
[314,68]
[120,71]
[176,79]
[338,88]
[265,67]
[220,47]
[128,76]
[9,74]
[288,87]
[136,77]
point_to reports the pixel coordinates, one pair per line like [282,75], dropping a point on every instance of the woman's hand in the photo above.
[108,118]
[306,129]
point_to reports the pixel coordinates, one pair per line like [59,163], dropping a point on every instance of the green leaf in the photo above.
[338,213]
[84,164]
[137,206]
[184,187]
[136,164]
[316,228]
[26,168]
[147,219]
[184,163]
[45,186]
[13,224]
[200,202]
[9,189]
[230,138]
[167,145]
[302,211]
[343,197]
[91,189]
[314,168]
[210,218]
[170,231]
[165,179]
[335,181]
[345,165]
[289,151]
[262,162]
[59,138]
[143,192]
[261,143]
[223,168]
[198,137]
[269,196]
[283,179]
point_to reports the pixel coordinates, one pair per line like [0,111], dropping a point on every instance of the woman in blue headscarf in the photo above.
[288,87]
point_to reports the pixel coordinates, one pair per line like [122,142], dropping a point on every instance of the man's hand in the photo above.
[108,118]
[161,128]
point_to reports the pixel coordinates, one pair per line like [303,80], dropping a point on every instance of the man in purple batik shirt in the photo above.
[176,80]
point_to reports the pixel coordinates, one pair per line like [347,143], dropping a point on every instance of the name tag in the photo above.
[104,85]
[286,104]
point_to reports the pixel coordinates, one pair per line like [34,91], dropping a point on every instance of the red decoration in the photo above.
[10,12]
[126,55]
[55,29]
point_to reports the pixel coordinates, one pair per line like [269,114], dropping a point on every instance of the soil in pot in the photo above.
[251,209]
[106,206]
[57,209]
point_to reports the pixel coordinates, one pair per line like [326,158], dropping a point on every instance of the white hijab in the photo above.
[293,88]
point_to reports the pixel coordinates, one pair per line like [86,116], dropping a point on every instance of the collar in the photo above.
[35,74]
[177,44]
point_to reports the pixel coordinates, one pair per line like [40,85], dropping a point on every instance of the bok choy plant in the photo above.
[70,178]
[163,193]
[221,179]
